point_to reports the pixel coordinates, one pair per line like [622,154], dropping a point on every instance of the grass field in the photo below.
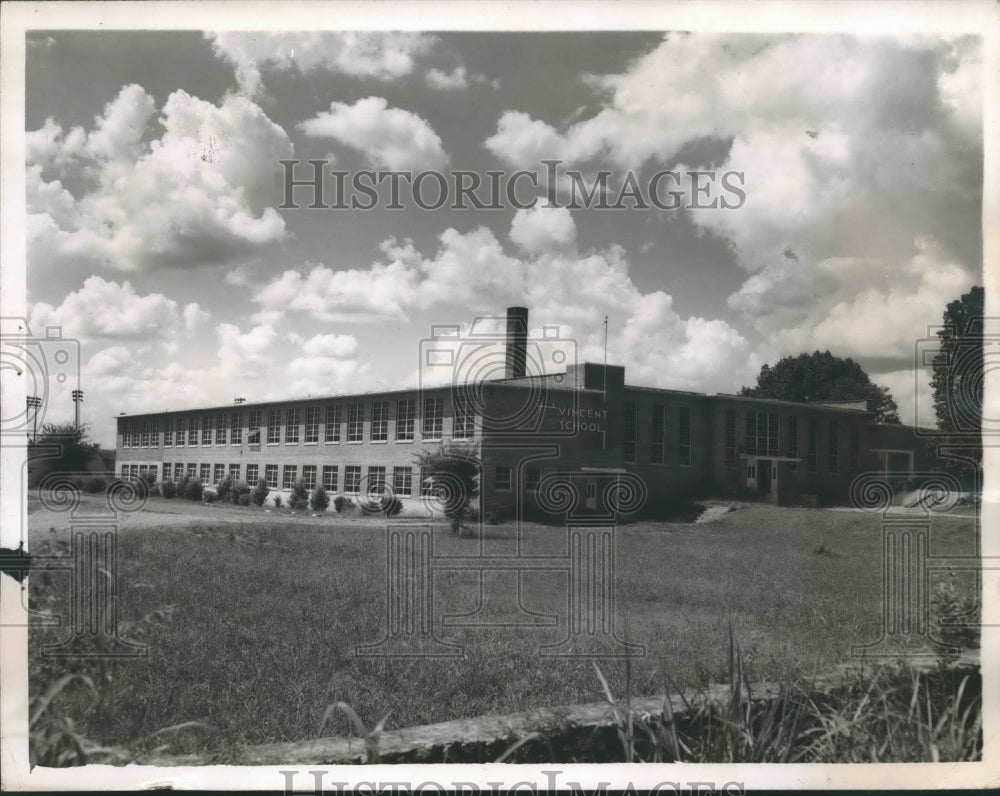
[263,618]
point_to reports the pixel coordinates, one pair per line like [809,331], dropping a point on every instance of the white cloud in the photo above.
[458,79]
[330,345]
[562,285]
[352,294]
[106,310]
[862,165]
[194,316]
[542,228]
[448,81]
[200,193]
[383,55]
[389,137]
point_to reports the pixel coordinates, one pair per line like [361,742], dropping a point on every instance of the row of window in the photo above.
[762,438]
[293,425]
[311,475]
[658,443]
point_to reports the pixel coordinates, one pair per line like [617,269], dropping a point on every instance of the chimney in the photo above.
[517,342]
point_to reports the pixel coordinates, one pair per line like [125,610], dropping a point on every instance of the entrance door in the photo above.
[764,475]
[590,494]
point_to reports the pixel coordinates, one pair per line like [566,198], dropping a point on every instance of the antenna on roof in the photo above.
[605,358]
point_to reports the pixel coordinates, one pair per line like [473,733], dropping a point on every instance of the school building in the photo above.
[582,426]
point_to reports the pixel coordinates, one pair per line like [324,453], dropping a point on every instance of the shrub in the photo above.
[389,505]
[210,495]
[496,514]
[224,490]
[260,493]
[342,504]
[240,489]
[319,501]
[299,499]
[95,485]
[278,502]
[168,489]
[193,490]
[454,471]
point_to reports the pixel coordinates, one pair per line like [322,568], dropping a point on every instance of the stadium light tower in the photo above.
[33,401]
[77,400]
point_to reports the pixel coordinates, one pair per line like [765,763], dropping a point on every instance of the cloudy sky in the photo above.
[156,239]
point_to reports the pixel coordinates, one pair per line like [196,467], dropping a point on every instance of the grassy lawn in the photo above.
[266,615]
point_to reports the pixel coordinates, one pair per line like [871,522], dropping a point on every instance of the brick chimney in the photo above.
[517,342]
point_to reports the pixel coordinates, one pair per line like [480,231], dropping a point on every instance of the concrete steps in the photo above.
[712,513]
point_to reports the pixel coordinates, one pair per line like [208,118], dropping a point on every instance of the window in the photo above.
[762,434]
[406,414]
[221,427]
[465,419]
[854,447]
[729,439]
[144,433]
[152,472]
[833,460]
[433,419]
[292,420]
[205,475]
[659,430]
[309,476]
[167,471]
[376,480]
[330,477]
[192,471]
[206,429]
[312,425]
[355,422]
[253,474]
[273,426]
[426,483]
[532,478]
[220,474]
[630,428]
[501,479]
[684,436]
[253,428]
[235,428]
[271,475]
[181,436]
[332,424]
[178,471]
[380,421]
[352,479]
[168,432]
[402,481]
[134,471]
[793,442]
[234,473]
[812,451]
[289,475]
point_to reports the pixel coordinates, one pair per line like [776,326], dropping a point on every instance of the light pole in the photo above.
[77,400]
[33,401]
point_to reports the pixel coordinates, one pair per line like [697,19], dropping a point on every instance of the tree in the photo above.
[958,374]
[62,449]
[299,499]
[320,500]
[260,492]
[453,471]
[821,376]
